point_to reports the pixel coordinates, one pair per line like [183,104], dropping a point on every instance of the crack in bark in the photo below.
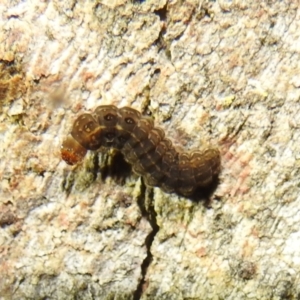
[145,203]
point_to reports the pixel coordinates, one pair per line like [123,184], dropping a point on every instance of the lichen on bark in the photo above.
[219,72]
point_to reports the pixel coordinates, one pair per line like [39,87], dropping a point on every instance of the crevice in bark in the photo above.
[162,12]
[145,203]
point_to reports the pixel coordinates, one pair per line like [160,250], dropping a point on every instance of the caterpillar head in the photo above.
[84,136]
[71,151]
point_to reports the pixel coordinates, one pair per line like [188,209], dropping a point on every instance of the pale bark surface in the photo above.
[224,73]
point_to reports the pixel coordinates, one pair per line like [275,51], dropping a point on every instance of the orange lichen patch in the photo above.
[255,232]
[237,163]
[63,220]
[242,173]
[83,205]
[86,76]
[201,252]
[71,151]
[242,186]
[131,222]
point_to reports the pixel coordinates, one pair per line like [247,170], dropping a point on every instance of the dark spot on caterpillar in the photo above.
[145,147]
[109,117]
[129,121]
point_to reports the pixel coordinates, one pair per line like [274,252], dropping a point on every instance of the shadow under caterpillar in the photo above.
[144,146]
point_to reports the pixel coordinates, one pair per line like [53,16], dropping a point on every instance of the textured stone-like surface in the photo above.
[224,72]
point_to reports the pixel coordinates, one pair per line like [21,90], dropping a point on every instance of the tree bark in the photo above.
[220,73]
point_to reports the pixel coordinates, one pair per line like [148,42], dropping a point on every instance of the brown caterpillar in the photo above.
[144,146]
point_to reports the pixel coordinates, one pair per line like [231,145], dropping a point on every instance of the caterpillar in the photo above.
[144,147]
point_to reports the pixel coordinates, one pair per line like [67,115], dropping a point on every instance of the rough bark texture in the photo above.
[219,72]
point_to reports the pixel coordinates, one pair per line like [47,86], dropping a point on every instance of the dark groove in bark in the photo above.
[145,203]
